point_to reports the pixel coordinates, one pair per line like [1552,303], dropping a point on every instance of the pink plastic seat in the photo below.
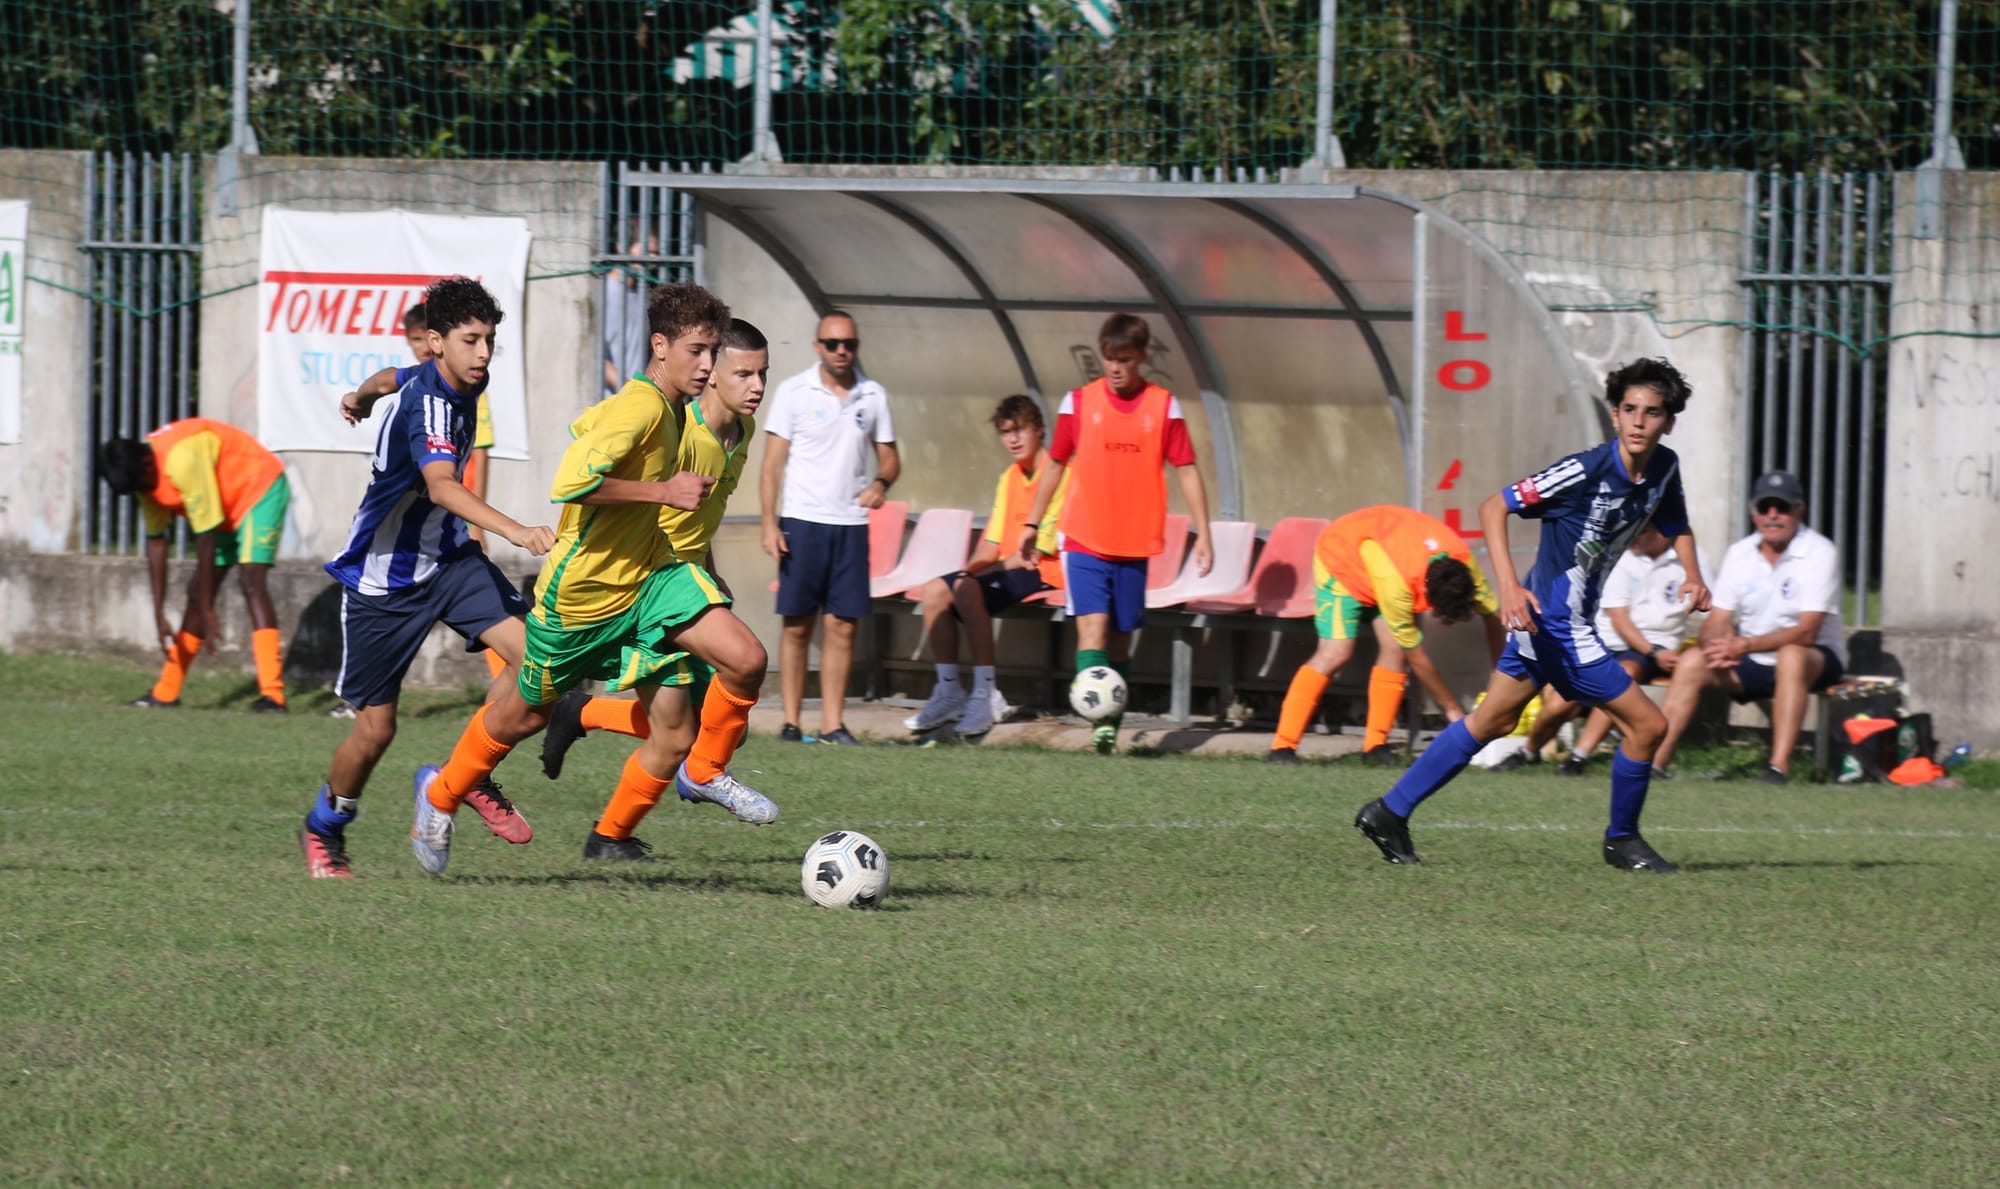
[885,535]
[1281,585]
[938,545]
[1233,541]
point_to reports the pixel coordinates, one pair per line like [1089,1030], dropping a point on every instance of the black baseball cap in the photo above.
[1778,485]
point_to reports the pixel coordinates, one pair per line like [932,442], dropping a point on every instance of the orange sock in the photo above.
[494,664]
[1308,684]
[620,716]
[174,673]
[724,715]
[270,667]
[472,761]
[1385,697]
[637,792]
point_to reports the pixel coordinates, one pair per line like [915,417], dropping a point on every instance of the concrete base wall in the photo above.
[1954,676]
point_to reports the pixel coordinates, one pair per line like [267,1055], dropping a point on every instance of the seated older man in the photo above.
[1775,631]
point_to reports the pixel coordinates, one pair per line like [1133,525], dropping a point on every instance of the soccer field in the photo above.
[1128,970]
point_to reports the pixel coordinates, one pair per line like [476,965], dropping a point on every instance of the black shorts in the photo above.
[1649,669]
[380,635]
[1761,681]
[1000,588]
[825,566]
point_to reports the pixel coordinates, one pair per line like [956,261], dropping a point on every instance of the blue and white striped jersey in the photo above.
[400,538]
[1590,510]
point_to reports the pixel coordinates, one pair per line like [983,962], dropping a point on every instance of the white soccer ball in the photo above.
[1097,693]
[845,869]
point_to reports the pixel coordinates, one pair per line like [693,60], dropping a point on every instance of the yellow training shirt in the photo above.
[703,453]
[602,553]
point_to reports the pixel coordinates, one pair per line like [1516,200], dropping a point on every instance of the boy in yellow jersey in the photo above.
[616,603]
[714,431]
[234,494]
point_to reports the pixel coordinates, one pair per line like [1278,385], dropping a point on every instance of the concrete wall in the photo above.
[42,477]
[1941,496]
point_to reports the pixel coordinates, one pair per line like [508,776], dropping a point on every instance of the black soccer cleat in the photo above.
[1572,765]
[147,701]
[1382,756]
[1631,853]
[564,729]
[1390,833]
[266,704]
[791,734]
[1288,756]
[1772,774]
[625,850]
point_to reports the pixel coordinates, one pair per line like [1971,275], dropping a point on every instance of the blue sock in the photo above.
[1629,781]
[324,818]
[1445,758]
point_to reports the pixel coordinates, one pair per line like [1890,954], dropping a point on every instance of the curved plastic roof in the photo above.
[1348,346]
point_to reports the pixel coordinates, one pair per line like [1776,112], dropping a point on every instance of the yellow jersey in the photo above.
[703,453]
[603,552]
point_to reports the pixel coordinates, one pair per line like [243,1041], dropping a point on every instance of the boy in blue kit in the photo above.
[409,562]
[1591,506]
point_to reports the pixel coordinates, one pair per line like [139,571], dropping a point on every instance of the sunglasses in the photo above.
[1769,505]
[840,344]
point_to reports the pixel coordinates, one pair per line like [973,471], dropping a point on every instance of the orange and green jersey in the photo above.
[1013,500]
[702,452]
[1379,556]
[603,552]
[209,471]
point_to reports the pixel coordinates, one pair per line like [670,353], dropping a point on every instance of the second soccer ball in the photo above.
[1097,693]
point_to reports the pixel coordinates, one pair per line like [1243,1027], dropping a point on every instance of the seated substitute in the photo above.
[1385,564]
[994,579]
[1642,610]
[1780,635]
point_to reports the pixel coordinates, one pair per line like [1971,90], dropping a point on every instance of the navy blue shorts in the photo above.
[825,567]
[1104,586]
[1649,669]
[1761,681]
[1000,588]
[1545,658]
[381,634]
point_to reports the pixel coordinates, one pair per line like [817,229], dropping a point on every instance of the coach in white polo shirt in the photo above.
[1775,631]
[821,428]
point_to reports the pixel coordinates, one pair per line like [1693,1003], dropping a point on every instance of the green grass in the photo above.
[1089,971]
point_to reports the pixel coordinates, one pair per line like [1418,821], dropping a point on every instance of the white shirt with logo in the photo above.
[1649,588]
[1769,597]
[832,455]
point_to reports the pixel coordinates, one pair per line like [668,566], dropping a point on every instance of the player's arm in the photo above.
[1805,631]
[1195,494]
[685,491]
[888,468]
[1045,491]
[356,405]
[1518,605]
[442,486]
[770,491]
[610,433]
[1426,672]
[1695,594]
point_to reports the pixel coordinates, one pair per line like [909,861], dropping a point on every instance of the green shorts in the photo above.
[634,647]
[254,542]
[1337,614]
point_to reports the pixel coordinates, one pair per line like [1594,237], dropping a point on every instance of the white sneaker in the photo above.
[430,833]
[1002,709]
[977,719]
[946,703]
[725,790]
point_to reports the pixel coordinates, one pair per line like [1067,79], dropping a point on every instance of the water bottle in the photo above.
[1959,755]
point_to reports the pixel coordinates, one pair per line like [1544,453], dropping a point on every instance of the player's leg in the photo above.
[1337,621]
[1385,821]
[257,549]
[1798,674]
[648,771]
[794,654]
[1640,668]
[847,604]
[1692,675]
[738,661]
[1387,681]
[1643,727]
[186,646]
[939,598]
[576,714]
[802,578]
[978,600]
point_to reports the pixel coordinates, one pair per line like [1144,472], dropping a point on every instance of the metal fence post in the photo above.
[1327,153]
[1945,153]
[763,144]
[242,137]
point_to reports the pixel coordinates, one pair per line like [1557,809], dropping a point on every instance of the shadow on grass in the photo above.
[1804,864]
[669,881]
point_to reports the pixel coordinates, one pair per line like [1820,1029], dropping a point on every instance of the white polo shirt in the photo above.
[1770,598]
[1649,588]
[832,440]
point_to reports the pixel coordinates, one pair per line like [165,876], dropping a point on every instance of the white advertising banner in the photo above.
[13,313]
[330,314]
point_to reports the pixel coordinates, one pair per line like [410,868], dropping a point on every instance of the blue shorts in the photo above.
[381,634]
[1760,681]
[1000,588]
[825,567]
[1649,669]
[1102,586]
[1546,658]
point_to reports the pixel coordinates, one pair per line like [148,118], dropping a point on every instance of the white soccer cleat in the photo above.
[977,719]
[725,790]
[946,704]
[430,832]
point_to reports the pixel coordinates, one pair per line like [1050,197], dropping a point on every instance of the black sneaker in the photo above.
[266,704]
[1772,774]
[1572,765]
[791,734]
[564,729]
[149,702]
[839,737]
[626,850]
[1288,756]
[1519,759]
[1380,825]
[1662,774]
[1383,756]
[1631,853]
